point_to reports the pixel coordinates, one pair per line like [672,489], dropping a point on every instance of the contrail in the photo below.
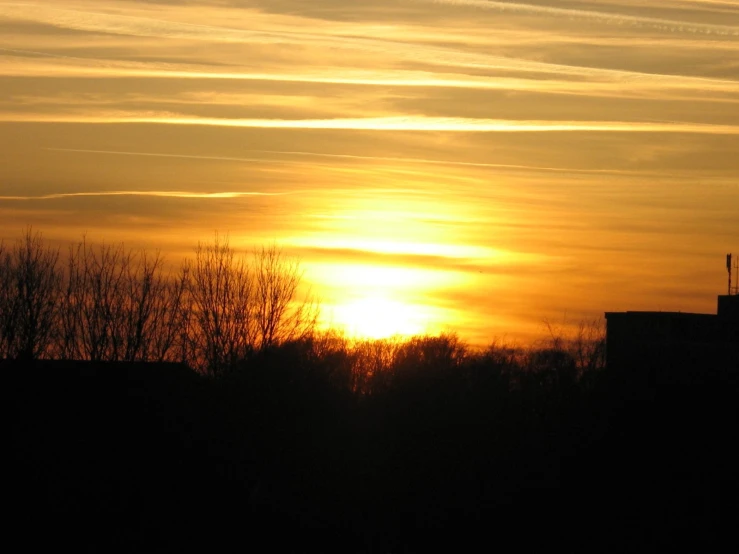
[420,161]
[600,17]
[424,161]
[181,156]
[155,193]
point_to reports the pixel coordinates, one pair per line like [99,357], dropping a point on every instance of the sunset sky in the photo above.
[465,165]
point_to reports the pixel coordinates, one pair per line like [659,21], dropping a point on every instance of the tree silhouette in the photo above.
[30,283]
[118,305]
[240,307]
[278,316]
[220,288]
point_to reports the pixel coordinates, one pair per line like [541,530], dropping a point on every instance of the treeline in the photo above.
[377,366]
[108,303]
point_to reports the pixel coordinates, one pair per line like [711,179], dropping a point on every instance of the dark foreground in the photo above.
[274,458]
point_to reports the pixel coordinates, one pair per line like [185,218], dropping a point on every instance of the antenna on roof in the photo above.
[728,268]
[733,267]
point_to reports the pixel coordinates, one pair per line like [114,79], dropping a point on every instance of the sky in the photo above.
[473,166]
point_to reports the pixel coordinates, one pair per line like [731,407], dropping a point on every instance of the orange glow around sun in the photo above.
[376,301]
[379,317]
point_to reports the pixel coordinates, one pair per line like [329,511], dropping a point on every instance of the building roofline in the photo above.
[678,314]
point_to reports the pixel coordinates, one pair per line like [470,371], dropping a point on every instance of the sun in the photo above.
[379,317]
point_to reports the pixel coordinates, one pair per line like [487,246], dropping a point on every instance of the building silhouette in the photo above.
[671,348]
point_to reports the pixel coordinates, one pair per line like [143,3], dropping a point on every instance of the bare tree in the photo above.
[239,306]
[30,283]
[8,304]
[588,346]
[171,321]
[373,359]
[95,301]
[147,326]
[279,315]
[118,305]
[220,289]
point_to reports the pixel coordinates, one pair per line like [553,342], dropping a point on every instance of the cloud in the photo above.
[600,82]
[99,22]
[400,48]
[399,123]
